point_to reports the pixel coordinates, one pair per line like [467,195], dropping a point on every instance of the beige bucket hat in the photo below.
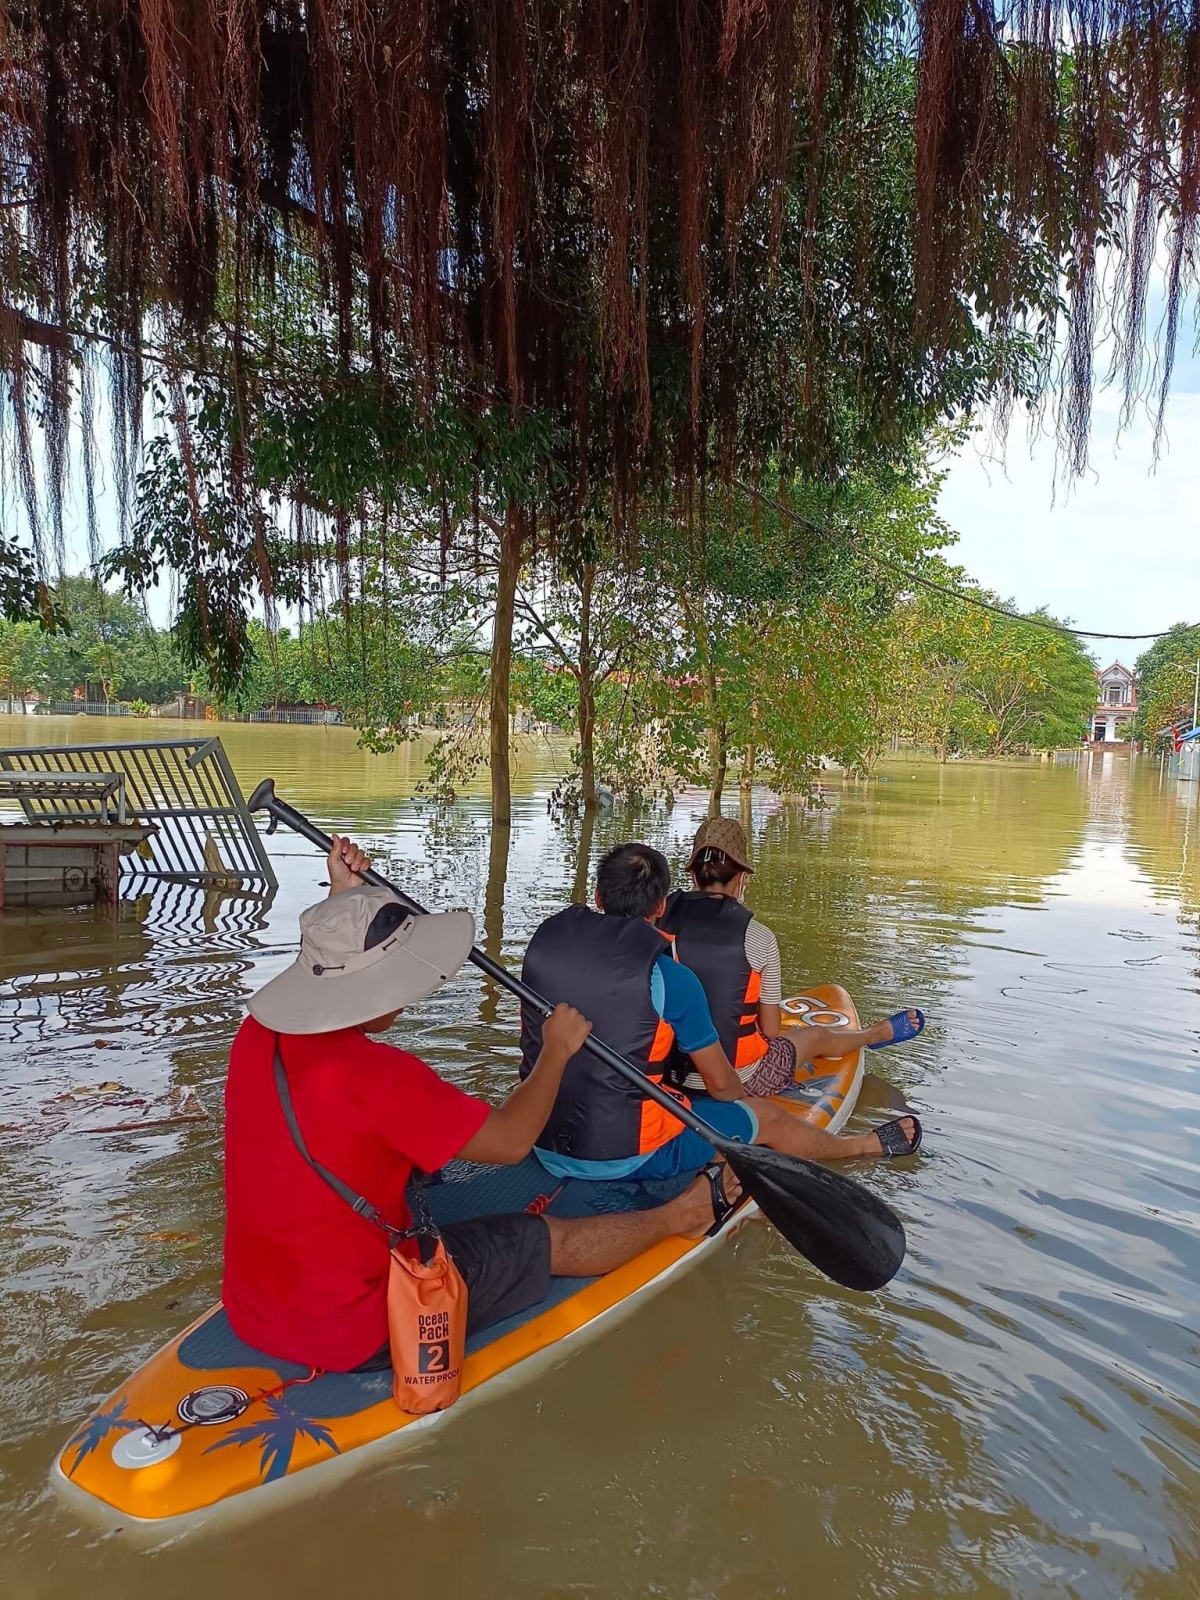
[725,835]
[337,982]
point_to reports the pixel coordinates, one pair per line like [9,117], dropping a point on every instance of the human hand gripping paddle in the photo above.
[843,1229]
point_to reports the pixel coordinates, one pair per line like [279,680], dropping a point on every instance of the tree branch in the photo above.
[526,608]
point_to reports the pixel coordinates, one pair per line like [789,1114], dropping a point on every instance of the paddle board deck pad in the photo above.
[208,1418]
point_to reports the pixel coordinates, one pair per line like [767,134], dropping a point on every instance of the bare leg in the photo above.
[814,1043]
[779,1130]
[584,1247]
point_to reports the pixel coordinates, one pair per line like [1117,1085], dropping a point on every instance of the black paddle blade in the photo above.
[847,1232]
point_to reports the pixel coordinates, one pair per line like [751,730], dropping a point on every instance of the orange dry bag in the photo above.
[427,1329]
[426,1296]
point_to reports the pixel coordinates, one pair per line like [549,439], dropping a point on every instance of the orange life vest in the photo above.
[710,937]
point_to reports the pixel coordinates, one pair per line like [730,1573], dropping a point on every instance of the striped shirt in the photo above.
[762,953]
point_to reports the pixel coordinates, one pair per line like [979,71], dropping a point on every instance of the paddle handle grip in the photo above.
[265,799]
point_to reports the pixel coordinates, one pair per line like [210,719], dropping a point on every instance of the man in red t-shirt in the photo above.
[305,1277]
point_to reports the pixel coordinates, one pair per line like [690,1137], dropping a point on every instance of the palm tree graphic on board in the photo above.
[276,1435]
[95,1430]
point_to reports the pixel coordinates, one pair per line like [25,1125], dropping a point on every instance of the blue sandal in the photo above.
[902,1029]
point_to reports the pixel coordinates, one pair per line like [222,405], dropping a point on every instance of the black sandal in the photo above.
[723,1206]
[893,1139]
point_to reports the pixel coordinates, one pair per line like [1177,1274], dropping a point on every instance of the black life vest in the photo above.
[602,966]
[710,937]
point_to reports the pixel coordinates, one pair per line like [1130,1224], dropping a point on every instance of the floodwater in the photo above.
[1017,1414]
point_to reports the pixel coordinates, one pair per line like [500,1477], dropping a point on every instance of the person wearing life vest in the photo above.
[736,958]
[306,1273]
[616,965]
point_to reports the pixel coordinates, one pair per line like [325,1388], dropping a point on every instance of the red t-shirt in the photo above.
[306,1279]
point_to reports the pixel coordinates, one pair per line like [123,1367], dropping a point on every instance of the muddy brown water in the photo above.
[1018,1414]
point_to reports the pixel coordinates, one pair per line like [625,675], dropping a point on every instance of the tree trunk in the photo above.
[716,789]
[511,542]
[718,766]
[747,779]
[714,728]
[746,790]
[587,693]
[718,748]
[587,742]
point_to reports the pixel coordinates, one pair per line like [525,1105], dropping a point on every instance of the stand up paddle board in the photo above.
[209,1421]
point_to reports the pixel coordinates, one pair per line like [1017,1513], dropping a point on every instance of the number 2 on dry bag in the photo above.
[434,1357]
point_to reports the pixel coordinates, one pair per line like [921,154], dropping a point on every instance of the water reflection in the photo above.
[580,895]
[493,917]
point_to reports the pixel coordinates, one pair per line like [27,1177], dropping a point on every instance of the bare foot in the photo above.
[881,1032]
[693,1209]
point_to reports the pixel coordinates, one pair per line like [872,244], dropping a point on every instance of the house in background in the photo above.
[1116,704]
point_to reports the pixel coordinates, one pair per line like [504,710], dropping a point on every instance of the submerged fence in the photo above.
[312,716]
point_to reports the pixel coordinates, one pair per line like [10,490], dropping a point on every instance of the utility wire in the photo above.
[941,588]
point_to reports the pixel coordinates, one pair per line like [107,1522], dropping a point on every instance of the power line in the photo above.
[941,588]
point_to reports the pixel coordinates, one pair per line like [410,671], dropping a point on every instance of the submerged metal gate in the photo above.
[185,788]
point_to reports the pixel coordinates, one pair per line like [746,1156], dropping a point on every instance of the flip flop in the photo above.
[894,1140]
[902,1029]
[723,1206]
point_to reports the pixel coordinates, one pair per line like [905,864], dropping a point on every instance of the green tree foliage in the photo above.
[22,652]
[769,633]
[317,450]
[965,680]
[1166,683]
[104,646]
[591,621]
[23,595]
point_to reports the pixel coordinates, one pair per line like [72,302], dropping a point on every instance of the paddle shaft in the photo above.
[264,798]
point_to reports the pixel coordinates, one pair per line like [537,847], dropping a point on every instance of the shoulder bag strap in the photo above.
[356,1202]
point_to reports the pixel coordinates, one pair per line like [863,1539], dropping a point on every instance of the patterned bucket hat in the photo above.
[725,835]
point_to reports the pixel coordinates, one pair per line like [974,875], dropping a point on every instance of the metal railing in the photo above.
[103,792]
[184,788]
[82,708]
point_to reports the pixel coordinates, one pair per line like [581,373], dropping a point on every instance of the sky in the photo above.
[1116,550]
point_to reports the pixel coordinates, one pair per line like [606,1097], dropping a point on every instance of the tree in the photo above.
[21,651]
[1166,683]
[966,679]
[110,645]
[770,623]
[101,640]
[560,204]
[593,619]
[669,248]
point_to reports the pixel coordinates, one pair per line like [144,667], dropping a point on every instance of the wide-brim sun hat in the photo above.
[336,982]
[724,834]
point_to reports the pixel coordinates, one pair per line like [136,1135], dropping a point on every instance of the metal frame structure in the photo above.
[104,790]
[184,788]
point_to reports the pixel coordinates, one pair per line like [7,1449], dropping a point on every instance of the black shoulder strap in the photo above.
[356,1202]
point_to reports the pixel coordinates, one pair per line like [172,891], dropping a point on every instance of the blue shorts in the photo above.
[688,1151]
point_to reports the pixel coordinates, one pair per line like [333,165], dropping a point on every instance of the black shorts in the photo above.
[505,1264]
